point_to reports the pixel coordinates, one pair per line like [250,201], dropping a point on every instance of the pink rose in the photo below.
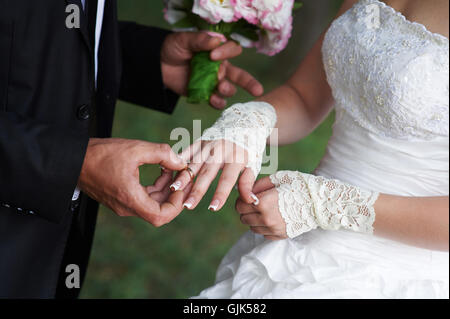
[273,42]
[273,14]
[244,9]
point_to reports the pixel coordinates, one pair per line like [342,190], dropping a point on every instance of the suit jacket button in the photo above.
[83,112]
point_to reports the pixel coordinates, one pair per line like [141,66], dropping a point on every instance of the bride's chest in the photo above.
[390,74]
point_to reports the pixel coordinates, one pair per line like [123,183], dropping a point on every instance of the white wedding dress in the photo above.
[390,83]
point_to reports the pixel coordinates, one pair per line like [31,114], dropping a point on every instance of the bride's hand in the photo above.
[293,203]
[265,218]
[207,158]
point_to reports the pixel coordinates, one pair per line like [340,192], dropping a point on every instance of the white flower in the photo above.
[273,14]
[245,9]
[273,42]
[214,11]
[268,5]
[174,10]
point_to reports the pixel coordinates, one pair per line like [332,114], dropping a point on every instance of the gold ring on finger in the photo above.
[191,173]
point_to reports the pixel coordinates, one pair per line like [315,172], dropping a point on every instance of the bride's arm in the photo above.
[418,221]
[304,101]
[333,205]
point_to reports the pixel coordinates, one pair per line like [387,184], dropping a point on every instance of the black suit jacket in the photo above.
[47,98]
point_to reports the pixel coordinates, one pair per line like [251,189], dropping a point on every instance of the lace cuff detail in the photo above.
[307,202]
[248,126]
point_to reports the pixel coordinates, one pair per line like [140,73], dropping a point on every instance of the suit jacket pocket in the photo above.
[6,38]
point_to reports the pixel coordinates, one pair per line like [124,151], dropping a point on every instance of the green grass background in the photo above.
[132,259]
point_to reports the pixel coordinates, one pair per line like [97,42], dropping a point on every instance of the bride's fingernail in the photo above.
[175,186]
[255,198]
[189,203]
[214,206]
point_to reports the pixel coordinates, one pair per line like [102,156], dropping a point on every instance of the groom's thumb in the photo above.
[201,41]
[162,154]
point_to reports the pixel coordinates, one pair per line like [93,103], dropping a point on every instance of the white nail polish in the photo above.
[214,206]
[256,199]
[175,186]
[187,205]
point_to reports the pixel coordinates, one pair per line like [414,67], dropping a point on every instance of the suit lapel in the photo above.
[83,24]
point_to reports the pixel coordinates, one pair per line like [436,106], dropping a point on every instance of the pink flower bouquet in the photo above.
[263,24]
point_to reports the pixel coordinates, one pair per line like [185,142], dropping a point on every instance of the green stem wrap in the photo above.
[204,78]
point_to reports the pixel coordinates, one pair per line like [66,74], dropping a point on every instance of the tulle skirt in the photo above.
[329,265]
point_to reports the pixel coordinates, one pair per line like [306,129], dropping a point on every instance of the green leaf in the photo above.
[201,24]
[297,5]
[204,78]
[248,33]
[245,29]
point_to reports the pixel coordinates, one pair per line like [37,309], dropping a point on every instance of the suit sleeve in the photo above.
[141,81]
[39,165]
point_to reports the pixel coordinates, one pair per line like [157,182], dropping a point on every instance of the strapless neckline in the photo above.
[417,25]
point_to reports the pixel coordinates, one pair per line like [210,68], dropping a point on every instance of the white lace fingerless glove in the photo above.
[307,202]
[248,126]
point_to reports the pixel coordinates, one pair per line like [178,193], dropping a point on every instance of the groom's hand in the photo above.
[110,175]
[176,55]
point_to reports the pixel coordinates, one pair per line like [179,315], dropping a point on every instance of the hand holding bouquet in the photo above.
[263,24]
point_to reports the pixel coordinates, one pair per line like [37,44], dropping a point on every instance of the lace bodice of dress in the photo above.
[391,77]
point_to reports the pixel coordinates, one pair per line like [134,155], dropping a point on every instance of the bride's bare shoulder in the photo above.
[347,4]
[433,14]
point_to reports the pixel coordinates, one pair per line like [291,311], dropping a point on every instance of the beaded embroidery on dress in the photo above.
[391,77]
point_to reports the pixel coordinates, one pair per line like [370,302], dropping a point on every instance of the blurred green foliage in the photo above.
[132,259]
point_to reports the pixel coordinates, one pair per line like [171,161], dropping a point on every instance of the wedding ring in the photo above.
[191,173]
